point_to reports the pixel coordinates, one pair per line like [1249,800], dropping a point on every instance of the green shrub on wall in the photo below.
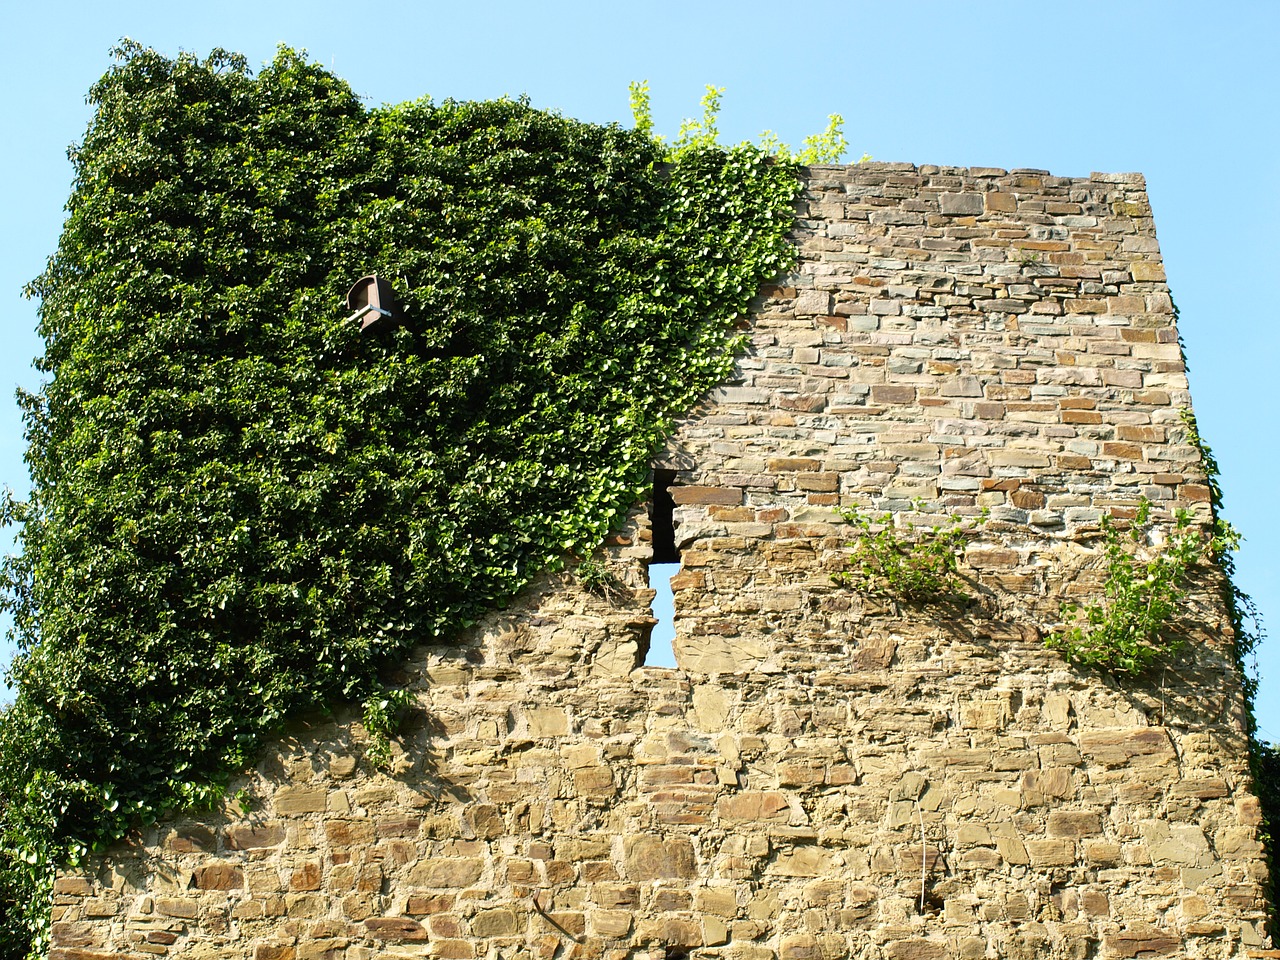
[242,507]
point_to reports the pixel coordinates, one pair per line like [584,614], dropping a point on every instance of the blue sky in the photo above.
[1183,92]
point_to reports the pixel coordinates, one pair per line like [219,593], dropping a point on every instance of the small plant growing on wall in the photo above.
[596,578]
[1129,629]
[894,556]
[383,717]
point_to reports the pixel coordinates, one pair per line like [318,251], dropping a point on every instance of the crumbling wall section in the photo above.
[829,773]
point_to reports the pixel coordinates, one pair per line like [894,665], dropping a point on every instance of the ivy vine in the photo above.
[242,508]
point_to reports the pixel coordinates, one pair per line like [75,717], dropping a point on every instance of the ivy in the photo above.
[241,507]
[382,717]
[829,146]
[1249,632]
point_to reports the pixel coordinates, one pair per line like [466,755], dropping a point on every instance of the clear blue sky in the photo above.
[1183,92]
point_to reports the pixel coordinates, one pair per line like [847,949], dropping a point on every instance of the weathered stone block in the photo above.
[503,922]
[962,204]
[395,928]
[547,722]
[1142,746]
[219,876]
[1140,942]
[610,924]
[754,806]
[295,801]
[651,857]
[1051,853]
[802,862]
[1074,823]
[446,872]
[917,948]
[254,836]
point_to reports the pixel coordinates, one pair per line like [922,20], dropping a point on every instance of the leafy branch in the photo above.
[892,555]
[1144,592]
[828,146]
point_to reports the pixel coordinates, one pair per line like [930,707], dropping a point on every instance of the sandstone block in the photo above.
[77,934]
[446,926]
[980,858]
[255,836]
[594,782]
[754,806]
[219,876]
[1140,746]
[804,946]
[716,901]
[794,464]
[419,905]
[177,907]
[615,894]
[503,922]
[673,932]
[892,393]
[702,494]
[73,886]
[984,715]
[295,801]
[1051,853]
[547,722]
[802,862]
[1074,823]
[339,833]
[999,202]
[485,820]
[962,204]
[1142,942]
[813,303]
[395,928]
[453,949]
[446,872]
[1184,845]
[306,877]
[650,857]
[191,839]
[610,924]
[917,948]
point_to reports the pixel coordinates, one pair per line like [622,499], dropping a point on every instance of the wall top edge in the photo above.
[876,166]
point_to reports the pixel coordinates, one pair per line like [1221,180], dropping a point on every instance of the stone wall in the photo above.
[830,774]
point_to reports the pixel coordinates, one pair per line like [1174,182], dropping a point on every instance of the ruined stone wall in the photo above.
[829,774]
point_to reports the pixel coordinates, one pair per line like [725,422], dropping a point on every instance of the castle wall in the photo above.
[951,340]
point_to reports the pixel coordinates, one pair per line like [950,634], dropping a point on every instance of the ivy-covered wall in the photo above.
[242,507]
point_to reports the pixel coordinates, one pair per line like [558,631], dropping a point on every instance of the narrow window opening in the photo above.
[662,640]
[664,564]
[662,518]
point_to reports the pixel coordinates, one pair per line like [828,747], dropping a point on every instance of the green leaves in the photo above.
[1145,589]
[894,559]
[242,508]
